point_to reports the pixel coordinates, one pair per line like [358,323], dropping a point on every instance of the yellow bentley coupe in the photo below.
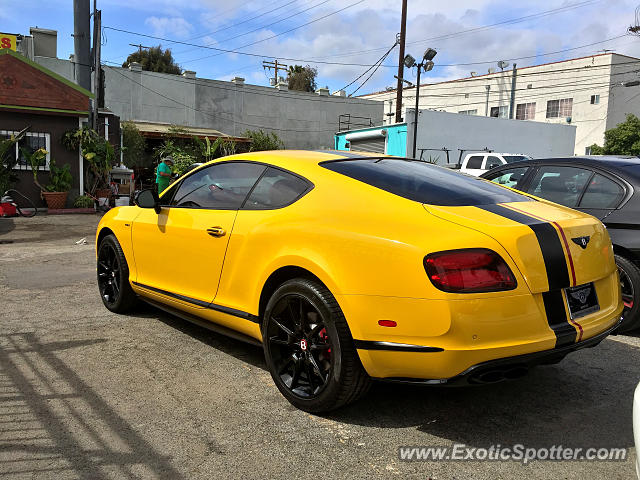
[350,267]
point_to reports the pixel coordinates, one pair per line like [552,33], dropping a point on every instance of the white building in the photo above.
[586,92]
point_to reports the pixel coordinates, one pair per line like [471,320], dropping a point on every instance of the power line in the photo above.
[373,72]
[242,22]
[286,31]
[266,26]
[365,72]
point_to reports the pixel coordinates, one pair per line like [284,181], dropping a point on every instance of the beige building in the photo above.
[586,92]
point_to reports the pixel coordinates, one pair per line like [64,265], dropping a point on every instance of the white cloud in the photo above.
[170,27]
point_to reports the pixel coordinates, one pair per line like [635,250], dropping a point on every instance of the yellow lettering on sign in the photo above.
[8,41]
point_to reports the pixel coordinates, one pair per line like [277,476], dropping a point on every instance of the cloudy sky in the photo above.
[469,35]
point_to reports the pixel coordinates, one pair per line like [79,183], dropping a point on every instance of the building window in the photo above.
[31,142]
[587,150]
[526,111]
[466,95]
[469,112]
[559,108]
[595,99]
[500,112]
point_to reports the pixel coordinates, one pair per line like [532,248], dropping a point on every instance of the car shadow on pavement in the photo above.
[586,400]
[246,352]
[52,424]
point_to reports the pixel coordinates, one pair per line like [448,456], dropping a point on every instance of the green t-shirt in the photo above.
[163,182]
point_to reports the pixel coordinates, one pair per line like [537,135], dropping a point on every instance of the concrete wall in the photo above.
[622,100]
[303,120]
[469,132]
[577,79]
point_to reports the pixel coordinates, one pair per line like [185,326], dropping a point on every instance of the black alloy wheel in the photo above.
[300,346]
[309,349]
[113,276]
[630,286]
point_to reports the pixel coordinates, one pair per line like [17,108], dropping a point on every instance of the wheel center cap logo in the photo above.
[303,345]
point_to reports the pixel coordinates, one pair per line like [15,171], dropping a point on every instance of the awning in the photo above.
[161,130]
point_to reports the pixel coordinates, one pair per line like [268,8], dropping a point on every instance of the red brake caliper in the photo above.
[323,335]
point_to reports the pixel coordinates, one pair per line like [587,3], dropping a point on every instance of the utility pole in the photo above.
[97,69]
[512,103]
[275,66]
[486,103]
[82,43]
[401,41]
[140,47]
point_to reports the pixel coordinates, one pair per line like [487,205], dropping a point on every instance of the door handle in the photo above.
[216,231]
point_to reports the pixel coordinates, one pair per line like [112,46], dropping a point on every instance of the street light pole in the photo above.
[415,120]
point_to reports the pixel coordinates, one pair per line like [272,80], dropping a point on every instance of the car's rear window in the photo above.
[514,158]
[423,182]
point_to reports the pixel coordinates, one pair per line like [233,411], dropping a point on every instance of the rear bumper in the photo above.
[510,368]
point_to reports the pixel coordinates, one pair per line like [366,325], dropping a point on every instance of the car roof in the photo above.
[299,161]
[595,160]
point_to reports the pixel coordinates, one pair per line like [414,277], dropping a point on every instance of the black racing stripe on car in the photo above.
[553,254]
[557,272]
[200,303]
[394,347]
[557,318]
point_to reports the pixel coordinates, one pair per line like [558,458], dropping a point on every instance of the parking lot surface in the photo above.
[85,393]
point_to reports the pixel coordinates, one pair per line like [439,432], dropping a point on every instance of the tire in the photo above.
[113,276]
[630,281]
[309,349]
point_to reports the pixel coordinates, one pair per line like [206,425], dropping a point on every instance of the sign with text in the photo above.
[8,41]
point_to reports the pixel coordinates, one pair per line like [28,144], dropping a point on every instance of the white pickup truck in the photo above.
[477,163]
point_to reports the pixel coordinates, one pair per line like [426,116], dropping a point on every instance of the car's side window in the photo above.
[602,192]
[475,162]
[492,162]
[275,189]
[562,185]
[510,177]
[222,186]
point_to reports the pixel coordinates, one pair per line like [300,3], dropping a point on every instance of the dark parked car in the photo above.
[606,187]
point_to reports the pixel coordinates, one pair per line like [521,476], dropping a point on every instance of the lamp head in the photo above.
[409,61]
[429,54]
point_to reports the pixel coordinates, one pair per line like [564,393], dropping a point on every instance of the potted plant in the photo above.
[60,181]
[99,155]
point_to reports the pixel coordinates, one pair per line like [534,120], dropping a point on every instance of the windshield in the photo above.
[515,158]
[423,182]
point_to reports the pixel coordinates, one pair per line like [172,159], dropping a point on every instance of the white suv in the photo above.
[477,163]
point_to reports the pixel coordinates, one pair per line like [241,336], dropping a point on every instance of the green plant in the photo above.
[623,139]
[154,59]
[261,140]
[83,201]
[60,179]
[181,162]
[35,159]
[133,146]
[8,160]
[302,78]
[98,153]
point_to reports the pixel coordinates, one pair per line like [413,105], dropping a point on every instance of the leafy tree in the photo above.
[133,146]
[623,139]
[154,59]
[302,78]
[261,140]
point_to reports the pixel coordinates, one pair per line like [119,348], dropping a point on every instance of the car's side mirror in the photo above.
[148,199]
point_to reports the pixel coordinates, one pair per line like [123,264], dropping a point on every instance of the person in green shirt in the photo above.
[163,174]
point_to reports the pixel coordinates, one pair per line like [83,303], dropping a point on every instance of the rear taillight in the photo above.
[470,270]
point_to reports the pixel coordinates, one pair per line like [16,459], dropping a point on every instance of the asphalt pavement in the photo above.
[85,393]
